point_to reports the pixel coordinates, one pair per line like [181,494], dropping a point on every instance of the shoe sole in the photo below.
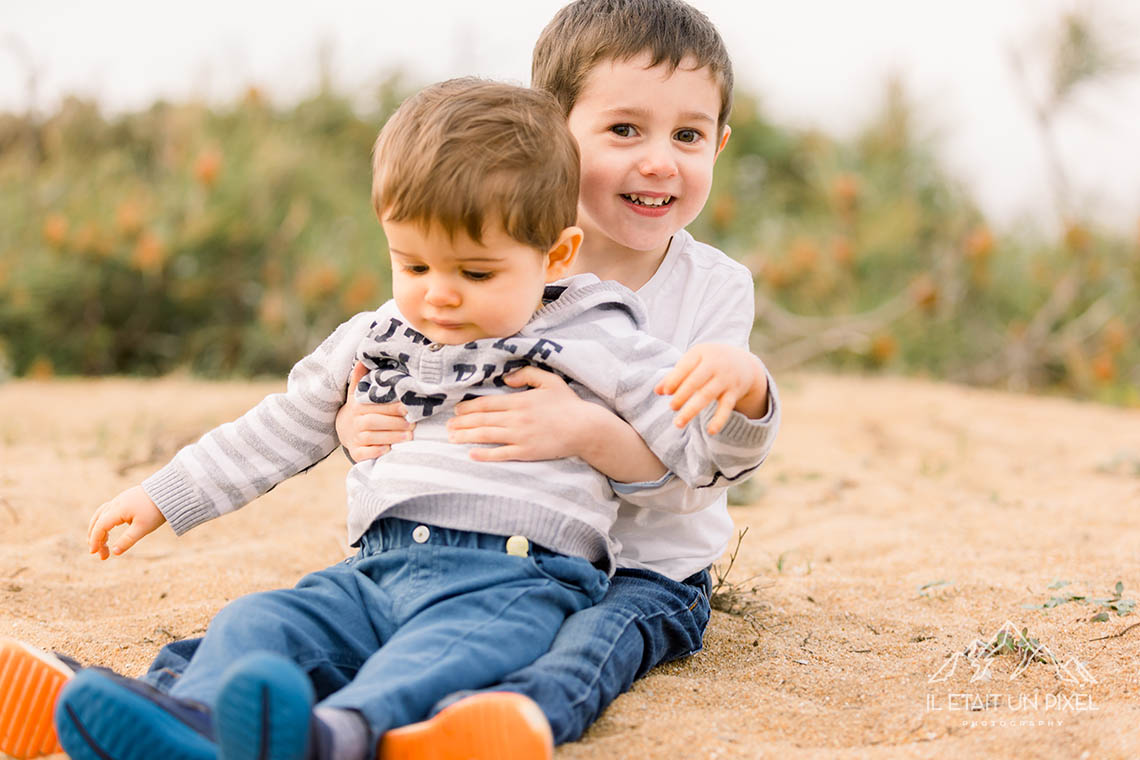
[30,680]
[98,719]
[487,726]
[263,710]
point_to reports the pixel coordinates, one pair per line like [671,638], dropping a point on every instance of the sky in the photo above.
[813,63]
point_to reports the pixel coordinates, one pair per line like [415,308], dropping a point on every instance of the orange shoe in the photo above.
[495,725]
[30,681]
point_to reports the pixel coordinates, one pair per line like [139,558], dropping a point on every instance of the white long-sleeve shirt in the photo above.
[697,295]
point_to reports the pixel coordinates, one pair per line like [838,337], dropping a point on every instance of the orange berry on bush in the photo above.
[843,251]
[803,256]
[923,291]
[1104,368]
[271,310]
[316,283]
[979,243]
[128,218]
[149,254]
[724,210]
[55,230]
[845,189]
[363,292]
[207,166]
[1114,336]
[884,347]
[776,275]
[41,368]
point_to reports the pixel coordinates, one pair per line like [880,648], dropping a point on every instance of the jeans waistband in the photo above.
[390,533]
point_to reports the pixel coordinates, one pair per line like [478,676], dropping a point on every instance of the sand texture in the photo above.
[896,523]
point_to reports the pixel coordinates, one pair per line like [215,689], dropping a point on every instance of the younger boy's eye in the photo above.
[688,135]
[477,276]
[415,268]
[623,130]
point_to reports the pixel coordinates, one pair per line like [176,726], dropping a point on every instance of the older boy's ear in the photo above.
[724,139]
[560,257]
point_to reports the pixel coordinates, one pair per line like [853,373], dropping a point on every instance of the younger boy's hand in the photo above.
[732,377]
[132,507]
[368,431]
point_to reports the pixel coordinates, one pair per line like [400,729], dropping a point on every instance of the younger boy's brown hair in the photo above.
[588,32]
[467,153]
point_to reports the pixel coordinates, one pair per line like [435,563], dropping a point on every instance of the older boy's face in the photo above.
[454,290]
[648,139]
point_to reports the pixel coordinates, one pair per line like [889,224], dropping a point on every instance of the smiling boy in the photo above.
[646,86]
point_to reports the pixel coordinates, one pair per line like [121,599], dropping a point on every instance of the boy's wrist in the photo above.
[754,403]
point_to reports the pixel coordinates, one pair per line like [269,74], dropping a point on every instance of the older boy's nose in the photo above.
[658,161]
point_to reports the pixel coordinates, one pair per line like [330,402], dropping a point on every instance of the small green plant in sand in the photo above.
[1104,607]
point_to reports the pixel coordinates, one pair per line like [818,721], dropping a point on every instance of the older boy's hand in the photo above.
[133,508]
[732,377]
[519,422]
[368,431]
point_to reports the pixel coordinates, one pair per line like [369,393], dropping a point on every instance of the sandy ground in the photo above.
[896,523]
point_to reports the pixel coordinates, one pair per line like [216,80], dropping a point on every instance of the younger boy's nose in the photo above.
[441,294]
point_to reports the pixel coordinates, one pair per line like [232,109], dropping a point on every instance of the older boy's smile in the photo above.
[649,204]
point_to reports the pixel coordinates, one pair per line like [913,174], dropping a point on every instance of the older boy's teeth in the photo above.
[645,200]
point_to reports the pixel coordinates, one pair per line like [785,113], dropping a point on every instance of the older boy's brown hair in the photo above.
[467,154]
[588,32]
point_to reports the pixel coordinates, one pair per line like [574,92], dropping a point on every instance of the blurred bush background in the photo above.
[228,241]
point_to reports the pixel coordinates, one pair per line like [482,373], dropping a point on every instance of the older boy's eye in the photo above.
[477,276]
[688,135]
[623,130]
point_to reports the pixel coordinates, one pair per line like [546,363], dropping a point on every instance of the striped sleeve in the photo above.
[284,434]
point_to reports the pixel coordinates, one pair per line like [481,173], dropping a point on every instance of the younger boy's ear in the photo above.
[560,257]
[723,140]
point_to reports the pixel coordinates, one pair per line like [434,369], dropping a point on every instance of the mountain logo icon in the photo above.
[981,654]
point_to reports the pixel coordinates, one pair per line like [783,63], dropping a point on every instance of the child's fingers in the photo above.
[723,411]
[699,399]
[701,378]
[669,383]
[130,536]
[481,434]
[505,453]
[382,437]
[471,420]
[364,453]
[358,373]
[375,421]
[106,519]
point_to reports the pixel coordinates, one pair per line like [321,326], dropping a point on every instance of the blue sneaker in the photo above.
[265,711]
[101,715]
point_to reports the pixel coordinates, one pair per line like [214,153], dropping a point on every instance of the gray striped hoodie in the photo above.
[588,331]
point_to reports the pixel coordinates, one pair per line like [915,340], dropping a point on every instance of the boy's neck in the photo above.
[630,267]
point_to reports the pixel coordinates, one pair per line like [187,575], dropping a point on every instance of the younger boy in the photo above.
[466,569]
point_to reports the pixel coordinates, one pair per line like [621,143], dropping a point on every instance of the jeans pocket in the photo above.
[573,573]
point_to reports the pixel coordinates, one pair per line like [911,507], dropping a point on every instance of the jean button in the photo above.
[421,534]
[518,546]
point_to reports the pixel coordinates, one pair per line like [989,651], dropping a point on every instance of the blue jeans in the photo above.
[404,623]
[645,619]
